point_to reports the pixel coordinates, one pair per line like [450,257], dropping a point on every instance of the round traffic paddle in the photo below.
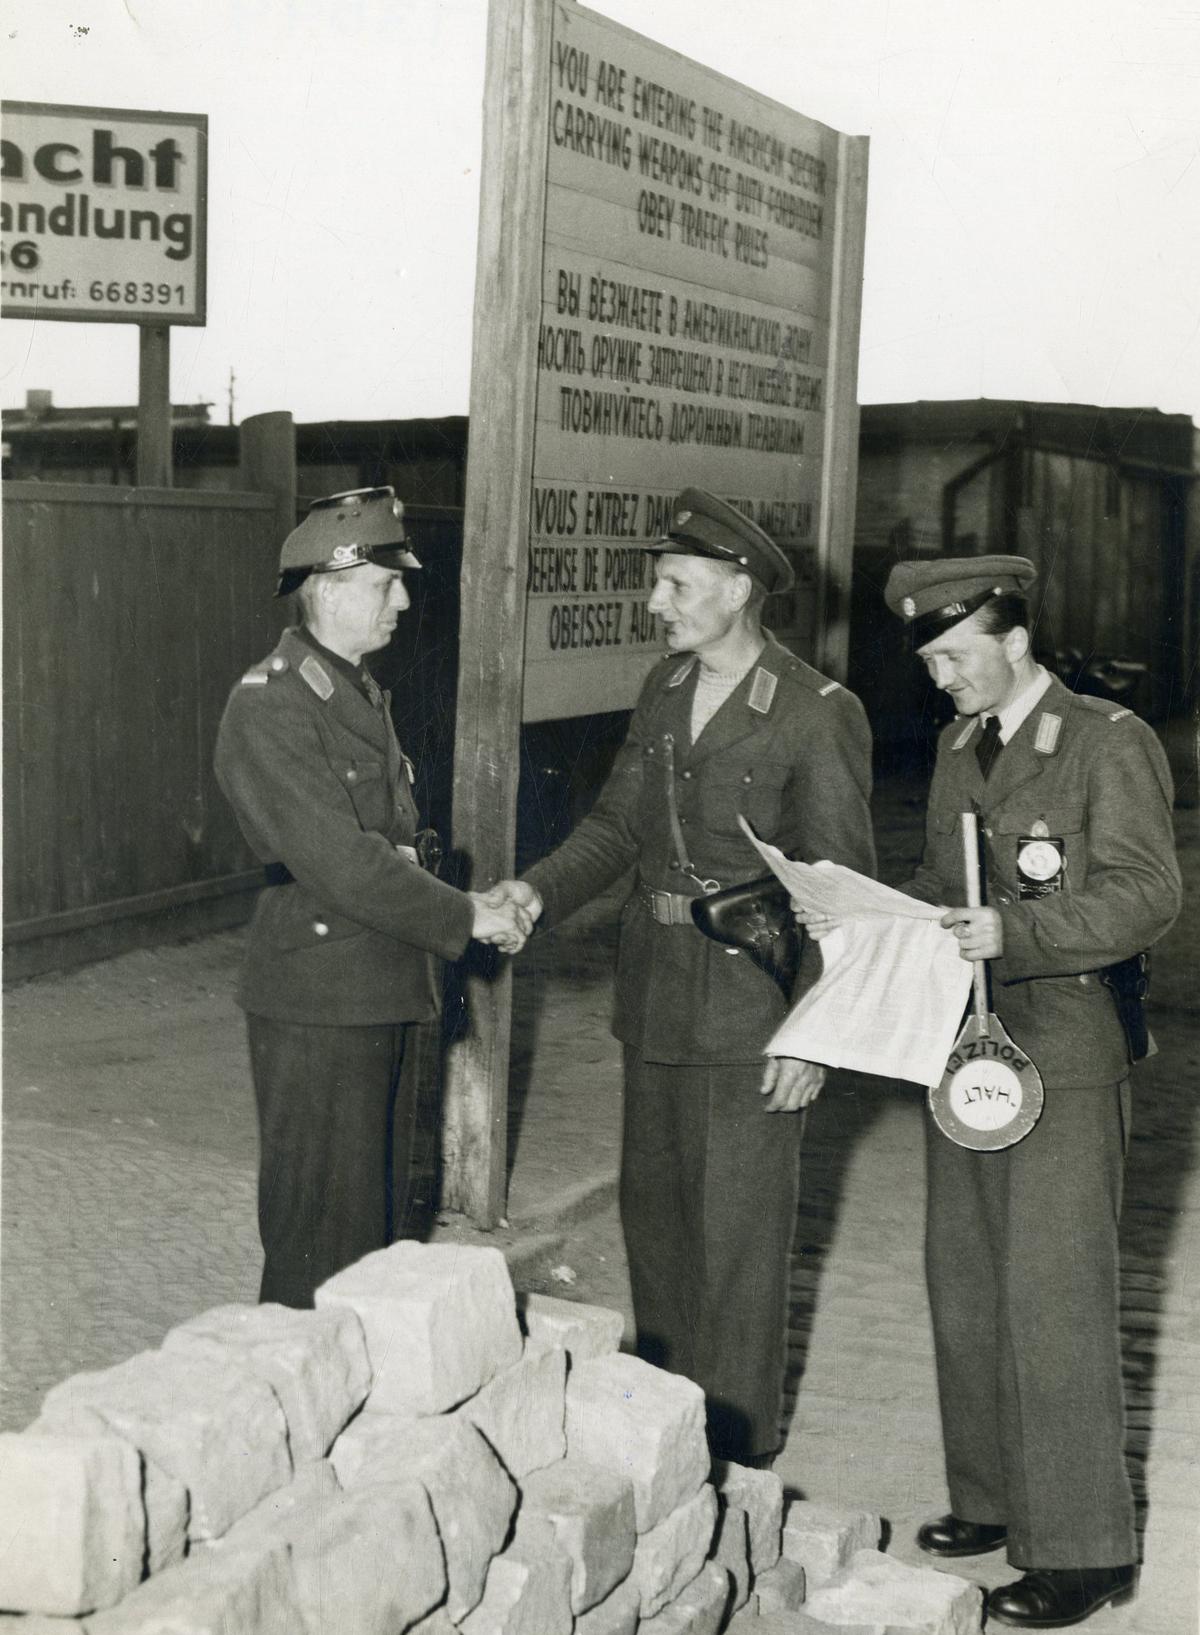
[991,1093]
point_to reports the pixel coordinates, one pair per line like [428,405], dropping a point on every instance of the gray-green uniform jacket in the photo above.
[789,749]
[1095,778]
[317,780]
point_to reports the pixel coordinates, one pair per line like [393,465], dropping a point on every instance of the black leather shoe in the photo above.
[948,1536]
[1055,1597]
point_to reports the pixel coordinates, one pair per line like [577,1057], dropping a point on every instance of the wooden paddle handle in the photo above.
[970,842]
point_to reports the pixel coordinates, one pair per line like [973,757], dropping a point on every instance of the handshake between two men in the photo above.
[505,915]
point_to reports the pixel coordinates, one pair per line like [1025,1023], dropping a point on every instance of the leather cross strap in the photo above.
[681,856]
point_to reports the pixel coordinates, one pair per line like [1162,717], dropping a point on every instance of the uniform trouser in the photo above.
[334,1128]
[709,1192]
[1022,1262]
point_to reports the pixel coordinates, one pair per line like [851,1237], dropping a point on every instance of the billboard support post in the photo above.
[154,406]
[495,551]
[839,470]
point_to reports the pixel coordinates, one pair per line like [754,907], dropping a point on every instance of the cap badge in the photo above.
[344,553]
[397,508]
[908,607]
[681,518]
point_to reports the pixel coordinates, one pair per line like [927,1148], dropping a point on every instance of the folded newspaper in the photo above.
[891,996]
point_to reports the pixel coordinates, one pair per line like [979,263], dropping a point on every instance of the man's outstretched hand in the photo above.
[505,915]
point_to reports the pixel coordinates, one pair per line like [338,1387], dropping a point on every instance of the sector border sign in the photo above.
[104,216]
[693,235]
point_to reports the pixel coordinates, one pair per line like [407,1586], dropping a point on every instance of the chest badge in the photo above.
[1041,864]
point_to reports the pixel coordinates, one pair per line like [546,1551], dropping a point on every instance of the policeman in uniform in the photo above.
[341,955]
[1074,800]
[731,723]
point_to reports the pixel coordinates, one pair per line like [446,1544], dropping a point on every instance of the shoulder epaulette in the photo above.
[259,674]
[1099,706]
[823,686]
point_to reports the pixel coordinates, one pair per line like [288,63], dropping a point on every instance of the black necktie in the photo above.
[989,745]
[372,689]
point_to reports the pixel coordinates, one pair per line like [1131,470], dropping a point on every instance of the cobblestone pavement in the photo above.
[128,1204]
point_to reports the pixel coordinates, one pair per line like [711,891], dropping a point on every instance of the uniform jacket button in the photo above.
[748,777]
[685,775]
[673,864]
[351,775]
[320,928]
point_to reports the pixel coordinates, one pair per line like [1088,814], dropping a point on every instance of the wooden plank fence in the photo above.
[128,615]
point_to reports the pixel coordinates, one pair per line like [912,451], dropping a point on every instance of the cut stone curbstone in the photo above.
[71,1521]
[36,1623]
[644,1424]
[700,1610]
[313,1484]
[314,1361]
[822,1538]
[795,1623]
[213,1592]
[781,1588]
[731,1550]
[670,1555]
[528,1587]
[164,1498]
[439,1319]
[217,1429]
[582,1331]
[591,1512]
[522,1412]
[760,1495]
[439,1622]
[369,1561]
[472,1497]
[617,1614]
[874,1588]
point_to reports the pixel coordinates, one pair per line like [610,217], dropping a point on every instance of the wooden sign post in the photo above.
[668,293]
[495,551]
[154,449]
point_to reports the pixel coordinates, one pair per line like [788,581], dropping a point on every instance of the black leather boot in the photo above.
[950,1536]
[1056,1597]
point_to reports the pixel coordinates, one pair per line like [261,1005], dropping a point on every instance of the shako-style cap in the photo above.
[343,531]
[703,525]
[933,596]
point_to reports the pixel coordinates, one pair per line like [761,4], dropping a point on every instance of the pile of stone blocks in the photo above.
[422,1452]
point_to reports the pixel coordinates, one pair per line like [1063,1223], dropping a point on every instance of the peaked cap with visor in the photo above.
[344,531]
[703,525]
[933,596]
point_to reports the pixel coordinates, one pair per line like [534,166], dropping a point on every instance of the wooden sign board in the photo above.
[687,287]
[666,293]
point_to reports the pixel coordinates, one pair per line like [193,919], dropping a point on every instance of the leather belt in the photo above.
[666,907]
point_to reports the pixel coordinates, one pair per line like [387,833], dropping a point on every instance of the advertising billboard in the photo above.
[103,215]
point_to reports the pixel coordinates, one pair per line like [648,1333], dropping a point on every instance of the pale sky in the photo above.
[1033,226]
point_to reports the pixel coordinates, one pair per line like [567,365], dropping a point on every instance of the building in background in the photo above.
[1103,500]
[425,459]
